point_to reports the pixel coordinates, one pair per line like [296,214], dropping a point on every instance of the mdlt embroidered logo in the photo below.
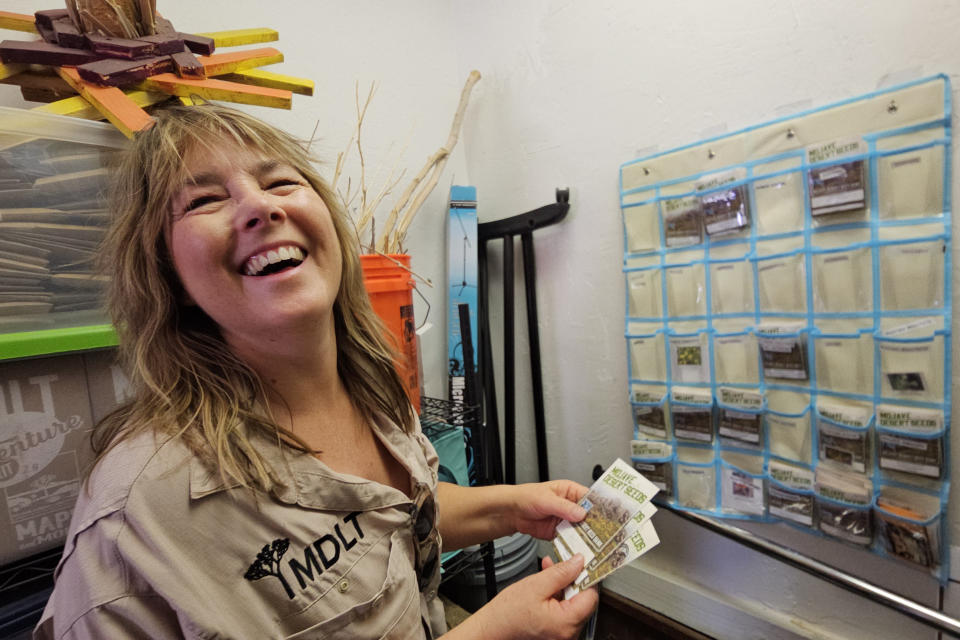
[327,548]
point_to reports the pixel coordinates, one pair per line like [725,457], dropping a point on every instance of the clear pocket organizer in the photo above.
[686,290]
[910,440]
[740,417]
[911,275]
[742,485]
[790,493]
[911,368]
[691,412]
[643,293]
[845,361]
[842,280]
[779,200]
[690,357]
[788,425]
[843,435]
[731,287]
[654,460]
[696,478]
[844,502]
[682,221]
[909,525]
[647,357]
[911,183]
[735,356]
[782,283]
[640,226]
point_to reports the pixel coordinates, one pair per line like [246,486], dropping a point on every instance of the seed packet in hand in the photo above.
[640,539]
[611,503]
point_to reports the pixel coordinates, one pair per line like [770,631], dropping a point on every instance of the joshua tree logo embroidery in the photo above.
[268,563]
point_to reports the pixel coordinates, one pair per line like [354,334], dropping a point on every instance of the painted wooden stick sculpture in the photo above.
[113,58]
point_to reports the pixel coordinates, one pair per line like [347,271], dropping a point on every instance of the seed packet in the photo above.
[650,420]
[692,422]
[904,527]
[783,357]
[690,359]
[846,512]
[844,447]
[740,427]
[790,496]
[650,460]
[682,226]
[611,502]
[741,491]
[901,451]
[725,209]
[638,542]
[839,187]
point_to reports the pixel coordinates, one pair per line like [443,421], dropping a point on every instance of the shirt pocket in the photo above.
[350,609]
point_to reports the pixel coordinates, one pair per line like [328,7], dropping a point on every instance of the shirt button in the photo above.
[343,585]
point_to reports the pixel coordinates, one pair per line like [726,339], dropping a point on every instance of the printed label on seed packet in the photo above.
[646,512]
[638,542]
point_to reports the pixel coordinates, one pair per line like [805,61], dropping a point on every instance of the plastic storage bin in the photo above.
[53,178]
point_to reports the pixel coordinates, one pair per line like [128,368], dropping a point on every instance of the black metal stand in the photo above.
[522,225]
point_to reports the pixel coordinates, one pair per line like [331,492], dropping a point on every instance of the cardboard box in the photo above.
[45,422]
[109,386]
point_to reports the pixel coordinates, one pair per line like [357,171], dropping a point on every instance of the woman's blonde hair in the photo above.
[186,381]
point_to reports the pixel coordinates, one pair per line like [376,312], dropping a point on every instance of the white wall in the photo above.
[571,90]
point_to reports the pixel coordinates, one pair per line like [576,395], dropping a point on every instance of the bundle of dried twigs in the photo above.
[394,229]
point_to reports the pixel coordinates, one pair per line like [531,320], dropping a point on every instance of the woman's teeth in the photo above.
[283,257]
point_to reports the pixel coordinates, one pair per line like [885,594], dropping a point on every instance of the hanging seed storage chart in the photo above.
[788,319]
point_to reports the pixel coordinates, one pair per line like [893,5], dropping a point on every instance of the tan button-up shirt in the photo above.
[159,548]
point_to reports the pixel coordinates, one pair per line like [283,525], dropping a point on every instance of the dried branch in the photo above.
[366,214]
[390,239]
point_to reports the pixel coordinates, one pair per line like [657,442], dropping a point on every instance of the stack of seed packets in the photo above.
[617,529]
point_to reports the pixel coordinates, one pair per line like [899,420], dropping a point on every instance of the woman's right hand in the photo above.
[529,608]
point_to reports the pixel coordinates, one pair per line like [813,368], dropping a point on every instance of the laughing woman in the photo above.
[269,478]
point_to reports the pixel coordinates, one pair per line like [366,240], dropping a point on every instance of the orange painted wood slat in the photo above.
[113,103]
[213,89]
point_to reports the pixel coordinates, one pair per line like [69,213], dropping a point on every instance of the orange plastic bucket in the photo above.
[390,288]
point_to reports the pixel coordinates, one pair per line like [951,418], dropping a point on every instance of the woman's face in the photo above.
[254,246]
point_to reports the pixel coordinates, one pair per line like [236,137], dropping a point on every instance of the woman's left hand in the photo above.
[538,508]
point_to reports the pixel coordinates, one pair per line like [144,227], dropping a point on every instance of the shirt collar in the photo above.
[310,483]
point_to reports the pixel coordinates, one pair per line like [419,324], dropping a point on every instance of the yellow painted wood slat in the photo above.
[113,103]
[261,78]
[237,37]
[17,21]
[78,107]
[221,63]
[214,89]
